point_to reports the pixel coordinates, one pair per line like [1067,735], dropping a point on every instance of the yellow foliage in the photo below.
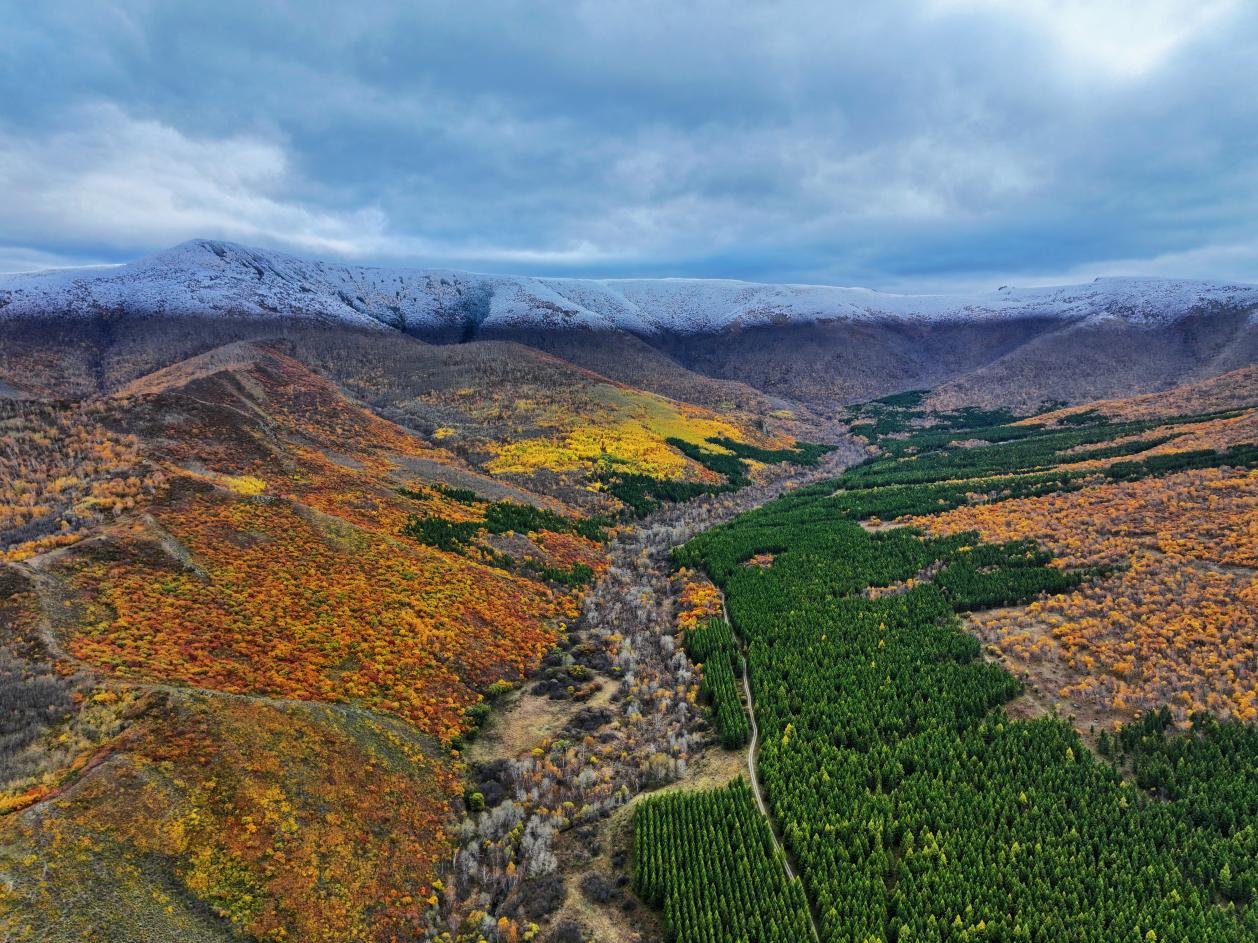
[244,484]
[626,430]
[1175,622]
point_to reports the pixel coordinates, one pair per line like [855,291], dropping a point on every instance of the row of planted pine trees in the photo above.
[914,807]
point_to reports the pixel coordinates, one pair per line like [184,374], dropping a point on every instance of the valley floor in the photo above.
[643,732]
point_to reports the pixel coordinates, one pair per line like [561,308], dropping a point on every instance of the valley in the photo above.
[268,616]
[914,805]
[664,472]
[341,604]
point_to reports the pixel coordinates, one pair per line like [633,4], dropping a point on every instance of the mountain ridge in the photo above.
[202,276]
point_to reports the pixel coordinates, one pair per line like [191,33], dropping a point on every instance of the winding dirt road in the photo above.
[753,774]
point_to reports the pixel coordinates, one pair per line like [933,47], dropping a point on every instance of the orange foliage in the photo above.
[1174,623]
[63,470]
[277,604]
[254,549]
[1228,391]
[699,600]
[292,822]
[567,550]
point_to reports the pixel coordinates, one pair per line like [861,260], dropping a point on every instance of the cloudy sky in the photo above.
[914,144]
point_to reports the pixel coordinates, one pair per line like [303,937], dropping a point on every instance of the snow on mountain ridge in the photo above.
[207,276]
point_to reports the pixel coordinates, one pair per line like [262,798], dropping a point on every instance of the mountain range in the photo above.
[275,535]
[816,344]
[211,276]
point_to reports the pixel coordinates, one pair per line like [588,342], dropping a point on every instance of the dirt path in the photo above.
[628,615]
[753,774]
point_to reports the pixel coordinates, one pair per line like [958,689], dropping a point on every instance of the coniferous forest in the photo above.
[913,806]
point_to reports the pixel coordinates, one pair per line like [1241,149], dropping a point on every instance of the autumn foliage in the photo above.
[1173,623]
[288,821]
[280,672]
[698,601]
[276,604]
[63,472]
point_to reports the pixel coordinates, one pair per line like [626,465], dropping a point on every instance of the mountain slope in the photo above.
[1237,389]
[94,329]
[244,671]
[205,276]
[1096,359]
[246,621]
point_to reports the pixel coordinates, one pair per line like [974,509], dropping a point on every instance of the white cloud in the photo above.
[118,181]
[914,139]
[1221,262]
[121,181]
[1126,38]
[1235,261]
[922,179]
[25,259]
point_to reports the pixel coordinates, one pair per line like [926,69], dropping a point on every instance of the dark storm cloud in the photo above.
[896,144]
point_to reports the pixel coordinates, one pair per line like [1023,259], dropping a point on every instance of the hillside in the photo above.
[341,604]
[813,344]
[236,598]
[1236,389]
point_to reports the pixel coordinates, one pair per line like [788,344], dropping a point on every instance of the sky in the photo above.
[897,144]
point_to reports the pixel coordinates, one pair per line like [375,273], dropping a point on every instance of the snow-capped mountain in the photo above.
[204,277]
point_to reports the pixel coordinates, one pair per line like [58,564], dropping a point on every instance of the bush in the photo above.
[437,532]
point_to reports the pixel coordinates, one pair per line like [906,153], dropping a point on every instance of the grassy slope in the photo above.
[206,570]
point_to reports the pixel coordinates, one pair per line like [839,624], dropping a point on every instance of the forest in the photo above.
[914,803]
[290,633]
[707,858]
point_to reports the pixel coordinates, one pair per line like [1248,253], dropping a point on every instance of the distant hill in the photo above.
[814,344]
[205,276]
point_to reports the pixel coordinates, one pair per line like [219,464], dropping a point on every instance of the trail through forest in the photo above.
[640,739]
[754,776]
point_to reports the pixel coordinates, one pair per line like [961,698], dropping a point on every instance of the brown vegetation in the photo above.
[1173,622]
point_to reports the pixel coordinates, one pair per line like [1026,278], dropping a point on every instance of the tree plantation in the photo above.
[713,647]
[913,804]
[709,860]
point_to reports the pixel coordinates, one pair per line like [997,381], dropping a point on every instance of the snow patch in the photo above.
[221,278]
